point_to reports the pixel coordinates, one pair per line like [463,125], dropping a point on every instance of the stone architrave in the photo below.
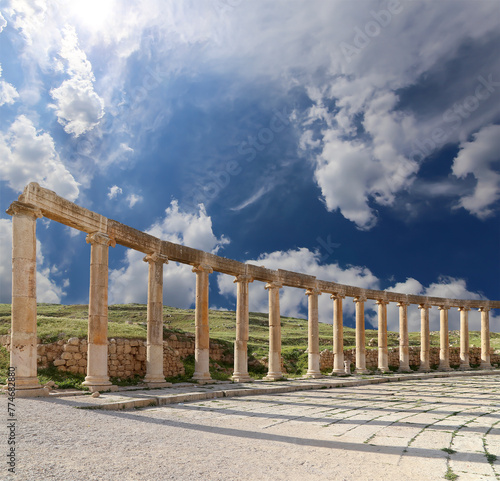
[240,373]
[404,341]
[338,334]
[202,332]
[154,345]
[383,352]
[464,338]
[97,378]
[485,338]
[425,339]
[360,336]
[23,351]
[444,340]
[274,370]
[313,364]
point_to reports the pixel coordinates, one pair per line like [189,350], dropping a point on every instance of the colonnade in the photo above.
[24,339]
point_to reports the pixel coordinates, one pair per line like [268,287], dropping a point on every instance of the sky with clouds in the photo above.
[355,141]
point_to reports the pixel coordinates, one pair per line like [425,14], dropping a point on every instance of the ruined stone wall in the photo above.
[326,357]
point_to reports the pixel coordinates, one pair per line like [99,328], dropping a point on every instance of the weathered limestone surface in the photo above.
[240,373]
[313,334]
[275,371]
[338,335]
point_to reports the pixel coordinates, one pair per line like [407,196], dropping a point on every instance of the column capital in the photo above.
[359,299]
[156,257]
[243,278]
[203,268]
[403,304]
[484,309]
[337,295]
[464,308]
[20,208]
[100,238]
[443,308]
[273,285]
[381,302]
[314,291]
[424,306]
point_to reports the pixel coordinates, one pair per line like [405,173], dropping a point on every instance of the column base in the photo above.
[201,376]
[464,367]
[157,384]
[273,376]
[424,369]
[337,371]
[361,371]
[444,368]
[102,387]
[383,371]
[404,369]
[485,365]
[314,374]
[241,378]
[30,392]
[95,383]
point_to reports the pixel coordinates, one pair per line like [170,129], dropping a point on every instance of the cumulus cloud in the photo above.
[30,156]
[47,288]
[78,107]
[114,191]
[479,157]
[8,93]
[129,283]
[293,302]
[132,199]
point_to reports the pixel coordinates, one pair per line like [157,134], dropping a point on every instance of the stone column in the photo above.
[464,338]
[313,367]
[240,373]
[154,356]
[97,378]
[404,341]
[383,353]
[425,339]
[274,371]
[23,352]
[202,333]
[360,336]
[485,338]
[338,335]
[444,340]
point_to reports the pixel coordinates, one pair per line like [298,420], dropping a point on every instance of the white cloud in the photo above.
[129,284]
[78,106]
[8,93]
[114,191]
[30,156]
[46,288]
[3,22]
[132,199]
[479,157]
[293,302]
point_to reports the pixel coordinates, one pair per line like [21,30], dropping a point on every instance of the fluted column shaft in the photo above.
[240,373]
[97,351]
[338,335]
[154,343]
[425,340]
[313,365]
[485,338]
[464,338]
[360,335]
[404,340]
[202,331]
[274,370]
[23,352]
[383,353]
[444,340]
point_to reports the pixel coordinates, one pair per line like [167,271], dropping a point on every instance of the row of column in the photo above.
[24,341]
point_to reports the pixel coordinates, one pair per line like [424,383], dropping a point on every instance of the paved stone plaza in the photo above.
[421,429]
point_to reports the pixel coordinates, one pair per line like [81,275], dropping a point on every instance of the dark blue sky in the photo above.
[342,139]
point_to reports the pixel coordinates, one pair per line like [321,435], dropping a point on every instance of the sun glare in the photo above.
[93,14]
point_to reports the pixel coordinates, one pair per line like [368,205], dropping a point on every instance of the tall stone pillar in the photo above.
[23,353]
[404,341]
[425,339]
[360,336]
[240,373]
[485,338]
[444,340]
[383,353]
[274,372]
[313,366]
[202,333]
[97,378]
[154,345]
[338,335]
[464,338]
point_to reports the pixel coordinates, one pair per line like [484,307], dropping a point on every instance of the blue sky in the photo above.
[355,141]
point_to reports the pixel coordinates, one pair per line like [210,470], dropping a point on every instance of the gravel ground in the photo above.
[393,431]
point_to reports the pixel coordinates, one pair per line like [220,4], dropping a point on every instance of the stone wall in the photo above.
[126,357]
[326,357]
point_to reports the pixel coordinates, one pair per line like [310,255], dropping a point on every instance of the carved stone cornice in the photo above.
[273,285]
[313,292]
[243,278]
[156,257]
[203,268]
[20,208]
[100,238]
